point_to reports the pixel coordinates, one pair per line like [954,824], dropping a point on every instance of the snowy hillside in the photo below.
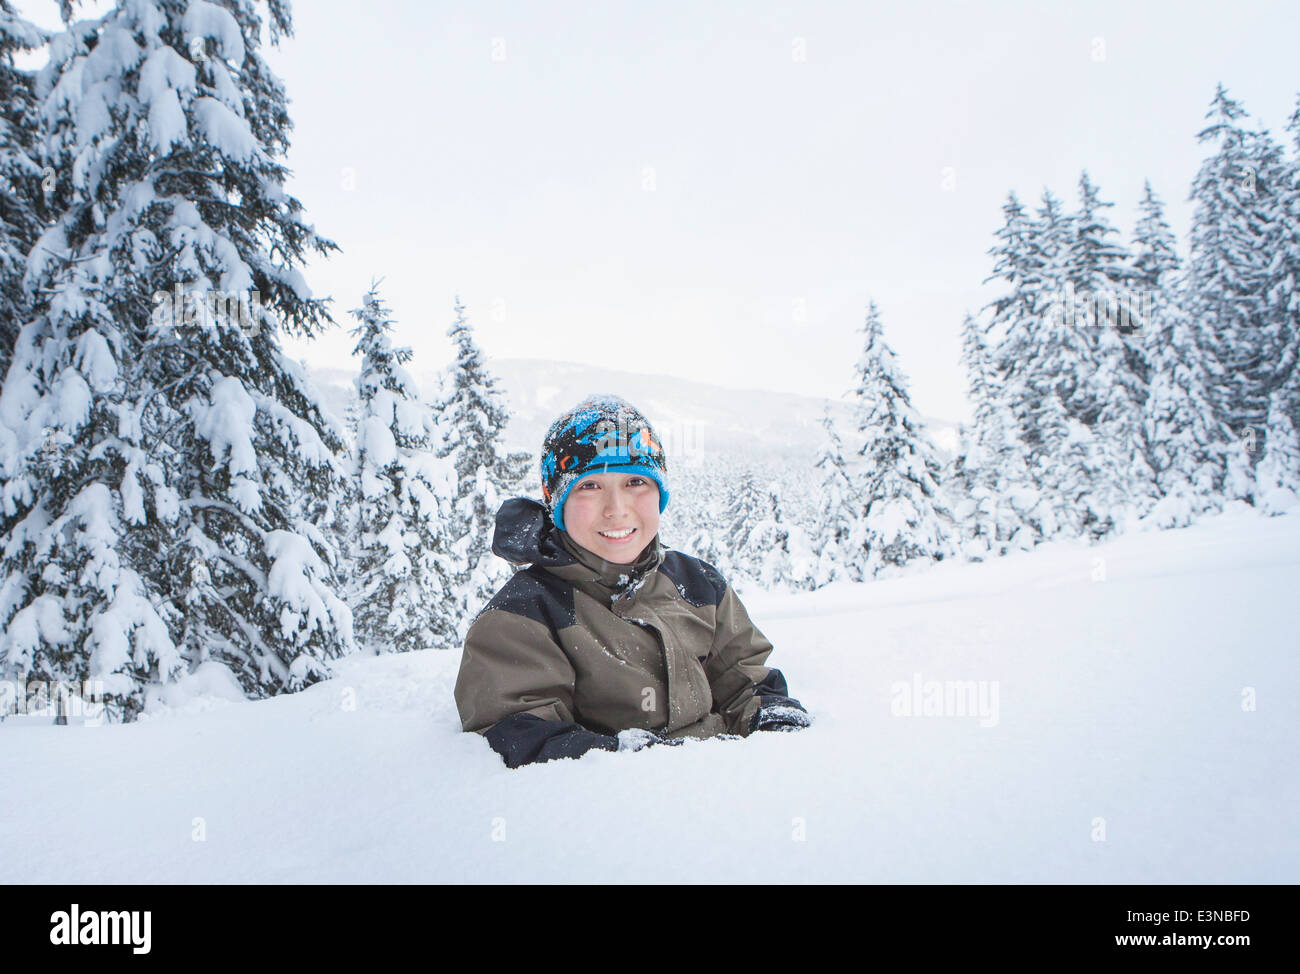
[1136,707]
[693,418]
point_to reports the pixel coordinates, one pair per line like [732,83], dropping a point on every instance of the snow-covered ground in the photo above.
[1139,724]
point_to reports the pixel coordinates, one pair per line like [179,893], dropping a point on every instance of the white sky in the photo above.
[714,191]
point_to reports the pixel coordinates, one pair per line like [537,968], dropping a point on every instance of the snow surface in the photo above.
[1120,676]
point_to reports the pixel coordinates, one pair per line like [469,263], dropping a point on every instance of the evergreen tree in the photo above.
[768,539]
[837,509]
[1066,328]
[901,516]
[1278,473]
[1061,470]
[698,490]
[1237,238]
[1109,315]
[473,418]
[745,508]
[20,174]
[1029,258]
[1279,470]
[781,549]
[399,592]
[167,472]
[990,471]
[703,546]
[1194,457]
[1045,348]
[1016,315]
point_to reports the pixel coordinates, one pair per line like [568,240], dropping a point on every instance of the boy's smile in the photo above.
[613,515]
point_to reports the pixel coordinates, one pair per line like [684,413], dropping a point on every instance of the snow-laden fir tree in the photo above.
[1236,256]
[696,512]
[1196,460]
[781,549]
[1015,315]
[166,467]
[20,174]
[399,592]
[1107,312]
[1064,470]
[1050,339]
[832,531]
[1278,473]
[901,516]
[746,506]
[472,418]
[990,476]
[1040,346]
[1007,380]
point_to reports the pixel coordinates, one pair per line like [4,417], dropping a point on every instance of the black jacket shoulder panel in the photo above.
[698,581]
[538,595]
[525,535]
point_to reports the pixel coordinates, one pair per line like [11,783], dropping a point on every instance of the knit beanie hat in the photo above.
[602,434]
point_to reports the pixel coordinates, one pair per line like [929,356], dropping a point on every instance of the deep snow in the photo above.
[1118,751]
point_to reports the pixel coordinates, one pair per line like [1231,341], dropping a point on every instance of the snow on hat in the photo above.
[602,434]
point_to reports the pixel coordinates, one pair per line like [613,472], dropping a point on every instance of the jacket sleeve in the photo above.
[515,687]
[738,676]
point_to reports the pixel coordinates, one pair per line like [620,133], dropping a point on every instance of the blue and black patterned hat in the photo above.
[602,434]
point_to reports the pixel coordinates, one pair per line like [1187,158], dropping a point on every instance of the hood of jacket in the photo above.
[526,535]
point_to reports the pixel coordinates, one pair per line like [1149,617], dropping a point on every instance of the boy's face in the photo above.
[604,503]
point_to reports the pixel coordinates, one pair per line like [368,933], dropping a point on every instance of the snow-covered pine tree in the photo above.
[1029,259]
[399,590]
[21,209]
[1051,346]
[1278,472]
[472,417]
[901,517]
[746,506]
[1239,224]
[1100,275]
[1063,469]
[781,550]
[837,508]
[1194,456]
[168,471]
[1041,347]
[971,501]
[686,520]
[991,480]
[1016,314]
[1107,312]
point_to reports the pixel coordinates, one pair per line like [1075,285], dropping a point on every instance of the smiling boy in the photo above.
[608,639]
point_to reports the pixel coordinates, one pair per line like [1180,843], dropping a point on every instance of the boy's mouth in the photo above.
[622,534]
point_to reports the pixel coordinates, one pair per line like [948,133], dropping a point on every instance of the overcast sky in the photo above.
[715,190]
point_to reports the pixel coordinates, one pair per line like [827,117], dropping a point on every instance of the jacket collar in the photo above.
[526,535]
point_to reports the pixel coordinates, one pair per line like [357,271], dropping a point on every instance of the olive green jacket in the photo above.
[595,647]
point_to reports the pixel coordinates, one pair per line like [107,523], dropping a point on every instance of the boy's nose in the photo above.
[615,502]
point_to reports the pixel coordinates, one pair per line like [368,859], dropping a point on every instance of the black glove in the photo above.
[780,714]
